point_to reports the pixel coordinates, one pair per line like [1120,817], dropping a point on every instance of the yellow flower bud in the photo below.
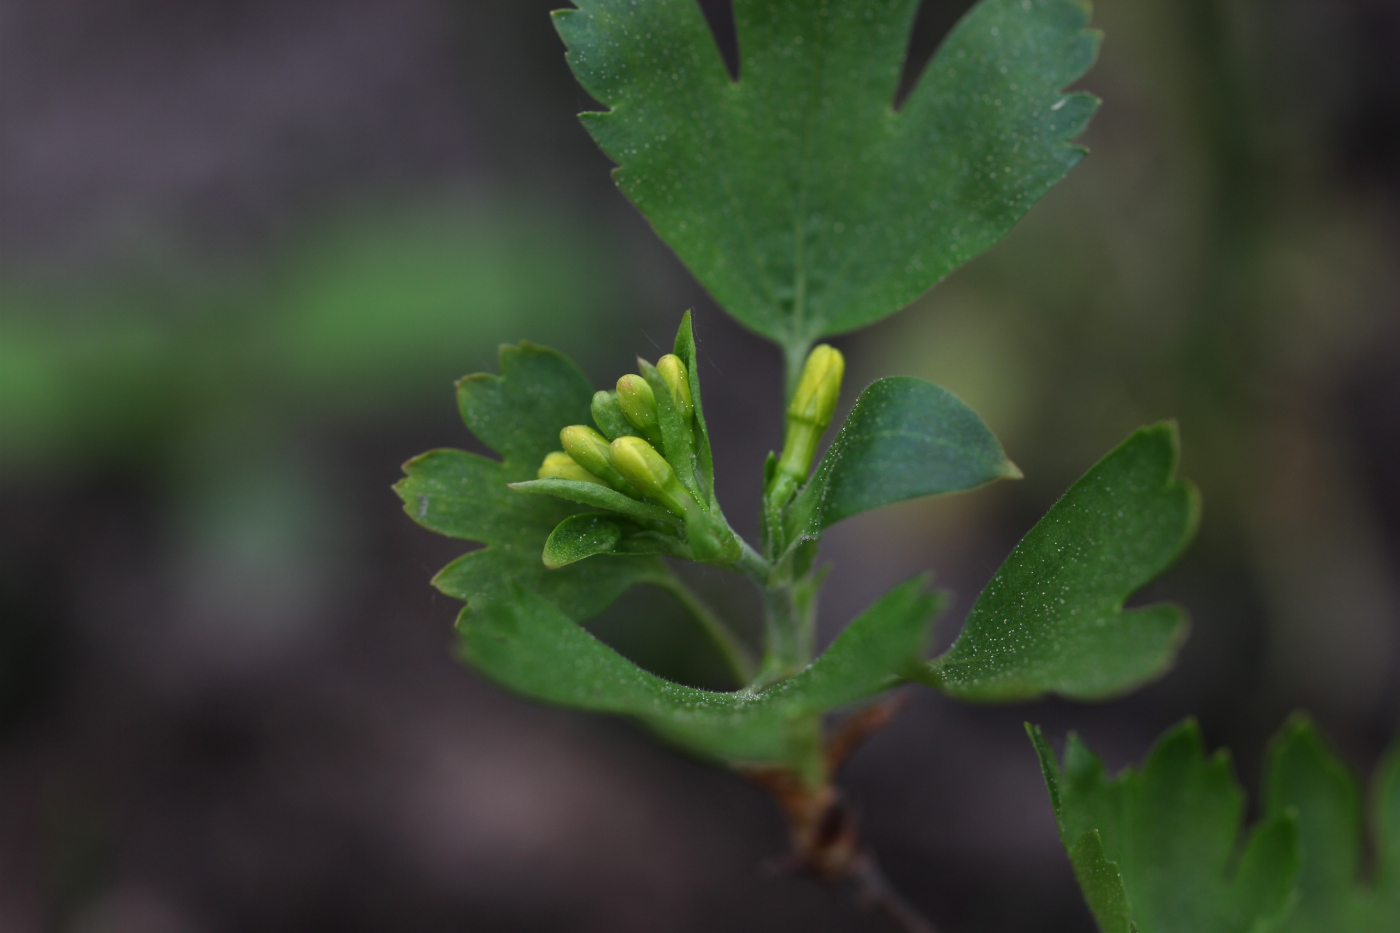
[814,402]
[559,465]
[590,450]
[808,415]
[647,470]
[608,416]
[639,405]
[672,370]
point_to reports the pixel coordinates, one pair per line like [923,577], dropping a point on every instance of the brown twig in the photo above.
[875,892]
[825,838]
[853,731]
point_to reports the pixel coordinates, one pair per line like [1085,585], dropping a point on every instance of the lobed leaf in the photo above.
[1052,619]
[1304,776]
[519,414]
[1159,850]
[904,438]
[801,199]
[524,642]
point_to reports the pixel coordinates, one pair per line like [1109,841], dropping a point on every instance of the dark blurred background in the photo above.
[245,248]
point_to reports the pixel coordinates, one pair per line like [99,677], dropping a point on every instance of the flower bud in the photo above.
[559,465]
[647,470]
[608,416]
[672,370]
[808,415]
[814,402]
[638,403]
[590,450]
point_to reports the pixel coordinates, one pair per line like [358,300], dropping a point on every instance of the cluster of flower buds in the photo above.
[628,452]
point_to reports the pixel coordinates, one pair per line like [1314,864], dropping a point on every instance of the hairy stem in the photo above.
[789,610]
[782,658]
[753,564]
[737,658]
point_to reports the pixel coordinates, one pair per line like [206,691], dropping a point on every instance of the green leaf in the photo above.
[518,414]
[1305,777]
[797,195]
[580,536]
[685,349]
[904,438]
[1052,618]
[1101,884]
[525,643]
[599,496]
[1159,850]
[593,533]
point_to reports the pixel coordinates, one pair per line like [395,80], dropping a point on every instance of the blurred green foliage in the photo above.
[363,314]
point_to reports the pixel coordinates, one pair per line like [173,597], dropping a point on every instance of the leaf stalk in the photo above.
[738,659]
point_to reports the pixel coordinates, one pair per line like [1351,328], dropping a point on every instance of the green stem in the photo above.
[773,539]
[736,655]
[782,658]
[753,564]
[789,625]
